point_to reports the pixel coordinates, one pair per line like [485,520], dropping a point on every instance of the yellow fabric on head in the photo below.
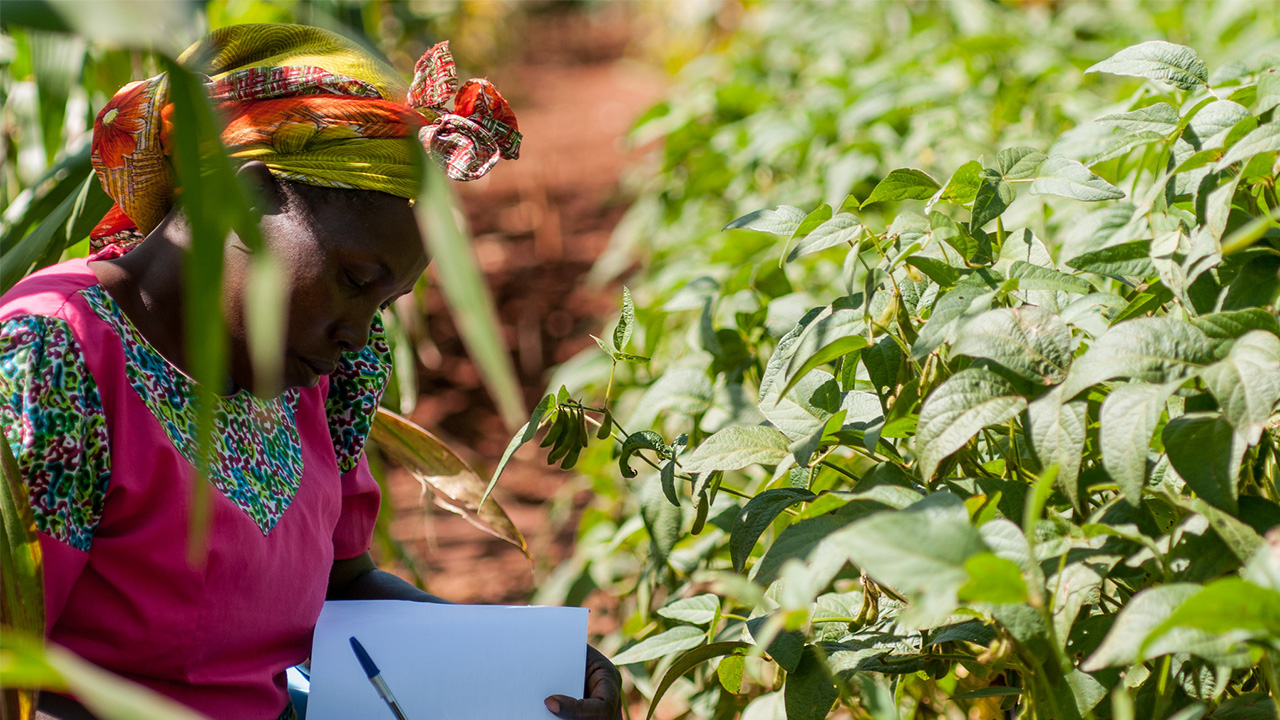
[275,45]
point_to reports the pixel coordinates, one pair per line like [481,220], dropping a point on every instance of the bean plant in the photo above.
[1011,452]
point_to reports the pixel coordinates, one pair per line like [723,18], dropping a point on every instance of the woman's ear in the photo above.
[265,194]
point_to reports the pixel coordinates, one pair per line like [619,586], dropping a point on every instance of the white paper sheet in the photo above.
[446,662]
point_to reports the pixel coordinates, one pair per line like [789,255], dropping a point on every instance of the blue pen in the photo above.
[375,677]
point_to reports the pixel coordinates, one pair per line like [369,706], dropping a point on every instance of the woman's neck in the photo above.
[147,284]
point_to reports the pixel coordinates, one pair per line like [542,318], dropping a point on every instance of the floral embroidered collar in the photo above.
[257,458]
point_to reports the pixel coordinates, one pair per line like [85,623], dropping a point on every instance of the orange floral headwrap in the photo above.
[310,104]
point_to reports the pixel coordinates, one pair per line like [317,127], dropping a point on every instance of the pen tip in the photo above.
[362,655]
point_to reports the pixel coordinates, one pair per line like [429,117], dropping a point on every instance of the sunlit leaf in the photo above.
[688,661]
[737,447]
[1177,65]
[677,639]
[1158,349]
[958,409]
[1068,178]
[903,184]
[454,486]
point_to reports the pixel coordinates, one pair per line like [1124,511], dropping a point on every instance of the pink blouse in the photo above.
[104,431]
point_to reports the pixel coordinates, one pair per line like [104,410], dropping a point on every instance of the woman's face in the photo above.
[342,259]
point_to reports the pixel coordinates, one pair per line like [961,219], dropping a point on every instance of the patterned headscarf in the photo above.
[314,107]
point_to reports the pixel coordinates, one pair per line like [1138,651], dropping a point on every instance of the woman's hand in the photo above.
[603,693]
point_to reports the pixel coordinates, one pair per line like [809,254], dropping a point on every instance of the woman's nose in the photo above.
[351,336]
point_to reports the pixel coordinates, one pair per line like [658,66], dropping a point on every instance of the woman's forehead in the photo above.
[383,229]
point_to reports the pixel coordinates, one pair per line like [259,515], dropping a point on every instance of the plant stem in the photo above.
[1163,687]
[840,470]
[1273,679]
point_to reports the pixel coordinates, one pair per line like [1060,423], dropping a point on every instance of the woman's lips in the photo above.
[320,367]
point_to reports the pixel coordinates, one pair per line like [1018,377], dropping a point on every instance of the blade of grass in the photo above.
[465,292]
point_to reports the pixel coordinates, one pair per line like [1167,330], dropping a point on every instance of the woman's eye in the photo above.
[353,281]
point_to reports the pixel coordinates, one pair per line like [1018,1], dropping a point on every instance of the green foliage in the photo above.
[997,429]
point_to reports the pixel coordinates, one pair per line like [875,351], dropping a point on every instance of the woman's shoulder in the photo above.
[48,292]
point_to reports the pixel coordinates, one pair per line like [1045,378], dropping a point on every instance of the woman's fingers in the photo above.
[563,706]
[603,690]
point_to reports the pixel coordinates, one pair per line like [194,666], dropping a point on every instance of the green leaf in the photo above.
[992,199]
[1057,433]
[21,559]
[903,184]
[1266,138]
[1029,340]
[1177,65]
[635,442]
[1123,146]
[1019,163]
[1129,417]
[963,185]
[1209,127]
[734,448]
[806,408]
[686,390]
[677,639]
[841,229]
[800,539]
[946,230]
[1160,118]
[782,221]
[938,271]
[1243,541]
[524,435]
[833,336]
[661,520]
[729,672]
[970,298]
[1156,349]
[697,610]
[626,323]
[691,659]
[1268,91]
[786,647]
[1246,383]
[1035,277]
[1228,605]
[17,261]
[1068,178]
[1206,451]
[604,347]
[756,517]
[1131,259]
[1142,614]
[958,409]
[810,692]
[993,580]
[919,551]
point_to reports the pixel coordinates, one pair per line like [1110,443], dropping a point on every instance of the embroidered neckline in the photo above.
[257,458]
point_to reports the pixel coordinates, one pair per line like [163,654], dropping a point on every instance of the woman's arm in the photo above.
[358,578]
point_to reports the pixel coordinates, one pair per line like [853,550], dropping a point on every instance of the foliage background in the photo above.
[806,104]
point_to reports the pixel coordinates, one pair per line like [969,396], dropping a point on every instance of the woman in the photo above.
[98,410]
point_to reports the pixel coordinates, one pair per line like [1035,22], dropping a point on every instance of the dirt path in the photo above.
[538,223]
